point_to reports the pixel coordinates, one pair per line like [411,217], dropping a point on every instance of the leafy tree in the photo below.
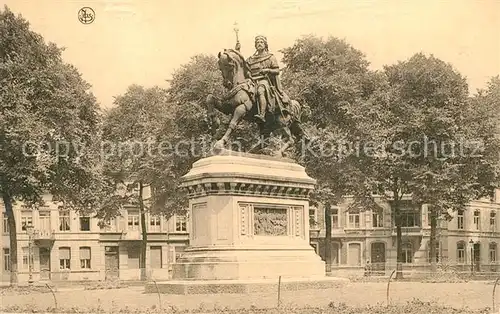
[139,136]
[48,121]
[457,153]
[346,87]
[371,128]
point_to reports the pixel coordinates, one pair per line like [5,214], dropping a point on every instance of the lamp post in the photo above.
[29,231]
[471,242]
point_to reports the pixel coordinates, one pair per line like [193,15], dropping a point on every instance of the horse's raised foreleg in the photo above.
[238,114]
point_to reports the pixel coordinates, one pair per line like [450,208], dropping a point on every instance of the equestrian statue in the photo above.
[254,93]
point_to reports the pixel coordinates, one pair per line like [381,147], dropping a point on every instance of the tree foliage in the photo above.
[344,91]
[392,131]
[48,119]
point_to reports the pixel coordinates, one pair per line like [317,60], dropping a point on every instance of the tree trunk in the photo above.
[399,235]
[432,240]
[11,221]
[144,231]
[328,237]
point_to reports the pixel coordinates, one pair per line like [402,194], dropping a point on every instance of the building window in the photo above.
[44,220]
[85,257]
[429,252]
[410,219]
[26,219]
[354,220]
[64,222]
[335,218]
[6,259]
[378,220]
[133,220]
[493,223]
[461,252]
[5,225]
[155,257]
[134,253]
[26,255]
[84,223]
[460,220]
[477,220]
[493,252]
[154,224]
[64,258]
[407,253]
[109,226]
[180,223]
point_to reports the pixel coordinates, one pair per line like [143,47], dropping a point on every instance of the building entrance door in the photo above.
[477,256]
[111,262]
[378,258]
[44,263]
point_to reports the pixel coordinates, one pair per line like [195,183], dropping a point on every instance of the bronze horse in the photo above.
[240,102]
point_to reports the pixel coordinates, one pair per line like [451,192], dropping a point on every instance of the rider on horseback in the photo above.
[254,84]
[264,71]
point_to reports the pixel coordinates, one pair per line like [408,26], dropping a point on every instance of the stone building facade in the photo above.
[67,246]
[468,242]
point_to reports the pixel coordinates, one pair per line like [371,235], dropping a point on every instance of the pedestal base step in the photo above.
[243,286]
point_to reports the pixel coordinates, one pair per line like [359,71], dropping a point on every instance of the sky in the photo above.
[143,42]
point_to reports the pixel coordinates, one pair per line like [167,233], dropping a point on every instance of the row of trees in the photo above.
[420,132]
[421,100]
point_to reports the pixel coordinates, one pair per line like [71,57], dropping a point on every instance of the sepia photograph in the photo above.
[244,157]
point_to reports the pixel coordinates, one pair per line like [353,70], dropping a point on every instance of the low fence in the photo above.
[385,269]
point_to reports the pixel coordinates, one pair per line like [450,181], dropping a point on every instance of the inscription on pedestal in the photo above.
[270,221]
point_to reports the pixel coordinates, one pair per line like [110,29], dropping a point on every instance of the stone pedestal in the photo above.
[249,222]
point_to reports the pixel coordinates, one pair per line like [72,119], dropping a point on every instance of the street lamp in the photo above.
[30,231]
[471,242]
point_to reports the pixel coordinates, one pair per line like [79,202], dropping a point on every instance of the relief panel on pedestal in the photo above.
[271,220]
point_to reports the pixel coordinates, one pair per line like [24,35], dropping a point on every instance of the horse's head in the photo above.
[233,67]
[227,68]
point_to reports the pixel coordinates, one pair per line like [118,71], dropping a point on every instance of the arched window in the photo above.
[461,252]
[407,253]
[493,252]
[460,220]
